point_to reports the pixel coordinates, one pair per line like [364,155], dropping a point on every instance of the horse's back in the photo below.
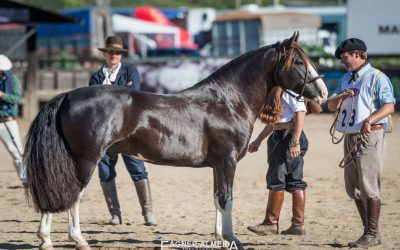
[90,116]
[182,129]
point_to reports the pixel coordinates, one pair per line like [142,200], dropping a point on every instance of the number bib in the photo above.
[353,115]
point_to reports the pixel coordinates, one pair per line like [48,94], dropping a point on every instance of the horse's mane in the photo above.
[240,59]
[230,80]
[272,110]
[230,67]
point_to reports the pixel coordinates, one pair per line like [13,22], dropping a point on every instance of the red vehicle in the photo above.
[152,14]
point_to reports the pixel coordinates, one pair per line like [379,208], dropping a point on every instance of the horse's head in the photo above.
[294,71]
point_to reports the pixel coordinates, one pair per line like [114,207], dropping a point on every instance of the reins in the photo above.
[335,140]
[306,80]
[355,148]
[332,129]
[360,138]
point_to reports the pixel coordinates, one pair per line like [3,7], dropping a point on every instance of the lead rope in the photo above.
[355,147]
[360,139]
[332,129]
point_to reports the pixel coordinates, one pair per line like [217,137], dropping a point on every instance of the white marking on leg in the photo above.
[44,231]
[227,230]
[218,220]
[74,226]
[223,225]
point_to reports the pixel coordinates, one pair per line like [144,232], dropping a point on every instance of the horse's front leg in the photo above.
[218,214]
[44,232]
[74,227]
[223,184]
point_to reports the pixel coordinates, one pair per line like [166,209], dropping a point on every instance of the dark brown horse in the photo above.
[207,125]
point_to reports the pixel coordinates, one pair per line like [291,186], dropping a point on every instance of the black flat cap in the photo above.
[350,44]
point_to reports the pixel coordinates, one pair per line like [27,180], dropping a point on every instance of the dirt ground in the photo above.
[185,211]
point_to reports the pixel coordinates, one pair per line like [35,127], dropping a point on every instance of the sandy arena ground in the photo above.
[185,211]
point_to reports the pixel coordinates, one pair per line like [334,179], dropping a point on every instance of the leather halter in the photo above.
[280,61]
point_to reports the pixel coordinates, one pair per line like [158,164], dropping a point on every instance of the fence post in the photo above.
[31,107]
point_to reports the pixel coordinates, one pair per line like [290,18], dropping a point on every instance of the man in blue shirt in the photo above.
[364,119]
[113,72]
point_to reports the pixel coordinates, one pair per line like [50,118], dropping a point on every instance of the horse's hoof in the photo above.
[50,247]
[238,245]
[219,238]
[232,243]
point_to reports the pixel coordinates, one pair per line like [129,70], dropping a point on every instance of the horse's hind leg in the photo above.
[74,227]
[44,232]
[223,183]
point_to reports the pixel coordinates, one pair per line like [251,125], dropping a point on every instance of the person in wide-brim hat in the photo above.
[5,63]
[116,73]
[114,43]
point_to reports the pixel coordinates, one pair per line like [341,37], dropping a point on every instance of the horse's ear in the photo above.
[296,34]
[289,42]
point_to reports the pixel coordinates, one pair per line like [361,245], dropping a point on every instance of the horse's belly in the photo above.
[170,156]
[168,148]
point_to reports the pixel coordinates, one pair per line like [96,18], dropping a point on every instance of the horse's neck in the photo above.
[246,97]
[241,83]
[253,74]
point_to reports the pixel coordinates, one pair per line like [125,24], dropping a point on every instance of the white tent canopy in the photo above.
[132,25]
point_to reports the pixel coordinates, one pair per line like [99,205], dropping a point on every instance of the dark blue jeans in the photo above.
[284,171]
[135,168]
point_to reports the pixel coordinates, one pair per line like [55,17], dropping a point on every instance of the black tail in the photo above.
[51,171]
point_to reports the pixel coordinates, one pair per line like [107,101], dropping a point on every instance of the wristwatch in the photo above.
[294,143]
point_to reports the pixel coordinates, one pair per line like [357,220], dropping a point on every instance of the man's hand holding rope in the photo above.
[336,101]
[335,104]
[365,129]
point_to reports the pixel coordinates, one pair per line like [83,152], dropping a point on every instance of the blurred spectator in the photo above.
[10,95]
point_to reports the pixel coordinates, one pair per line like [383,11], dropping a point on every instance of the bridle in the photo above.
[280,60]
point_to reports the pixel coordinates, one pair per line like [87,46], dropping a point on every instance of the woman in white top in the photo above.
[287,145]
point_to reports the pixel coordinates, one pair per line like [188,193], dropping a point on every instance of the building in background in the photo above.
[13,32]
[238,32]
[377,23]
[333,20]
[81,39]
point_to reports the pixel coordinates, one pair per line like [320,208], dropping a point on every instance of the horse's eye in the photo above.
[299,62]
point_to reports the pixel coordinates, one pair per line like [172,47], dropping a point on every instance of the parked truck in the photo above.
[81,39]
[238,32]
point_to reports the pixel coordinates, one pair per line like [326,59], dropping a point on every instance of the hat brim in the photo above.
[113,49]
[5,66]
[341,51]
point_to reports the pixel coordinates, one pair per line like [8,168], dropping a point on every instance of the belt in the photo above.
[375,127]
[284,126]
[6,119]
